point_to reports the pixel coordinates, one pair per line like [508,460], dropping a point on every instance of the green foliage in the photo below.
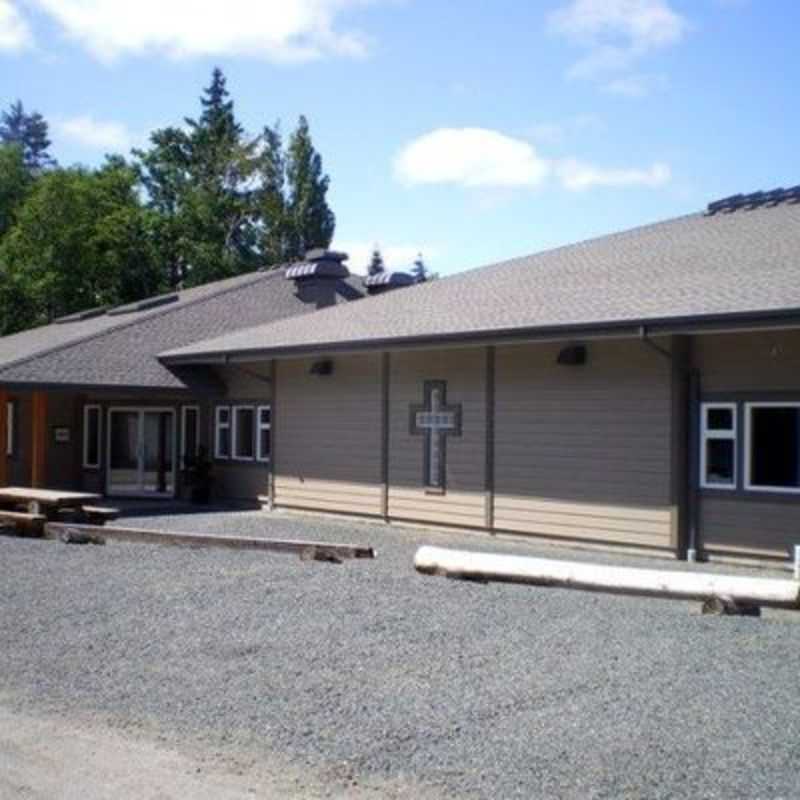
[81,239]
[310,221]
[29,131]
[376,265]
[202,202]
[15,182]
[420,271]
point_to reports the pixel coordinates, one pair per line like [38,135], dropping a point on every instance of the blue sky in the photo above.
[472,131]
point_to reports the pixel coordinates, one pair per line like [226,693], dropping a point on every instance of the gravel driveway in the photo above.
[366,674]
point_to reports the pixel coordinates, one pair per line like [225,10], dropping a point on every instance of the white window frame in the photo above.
[260,426]
[748,435]
[234,435]
[87,410]
[184,410]
[707,434]
[11,422]
[220,426]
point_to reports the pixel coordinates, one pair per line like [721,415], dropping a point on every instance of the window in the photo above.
[91,437]
[11,424]
[244,433]
[264,433]
[718,446]
[222,433]
[772,454]
[190,440]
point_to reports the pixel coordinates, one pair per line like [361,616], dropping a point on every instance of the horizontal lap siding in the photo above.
[766,361]
[749,365]
[328,436]
[584,452]
[464,502]
[761,527]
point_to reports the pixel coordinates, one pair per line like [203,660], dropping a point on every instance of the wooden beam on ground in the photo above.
[32,524]
[735,590]
[3,438]
[39,439]
[308,551]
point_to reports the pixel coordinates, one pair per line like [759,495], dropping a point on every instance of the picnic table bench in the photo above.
[45,501]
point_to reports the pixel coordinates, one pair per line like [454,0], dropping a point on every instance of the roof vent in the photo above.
[386,281]
[749,201]
[144,305]
[82,315]
[319,263]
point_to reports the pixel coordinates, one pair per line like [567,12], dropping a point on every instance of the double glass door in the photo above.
[141,452]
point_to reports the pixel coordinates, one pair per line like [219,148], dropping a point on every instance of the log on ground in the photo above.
[307,551]
[681,585]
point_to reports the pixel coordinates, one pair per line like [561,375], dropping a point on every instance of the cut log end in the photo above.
[79,537]
[727,607]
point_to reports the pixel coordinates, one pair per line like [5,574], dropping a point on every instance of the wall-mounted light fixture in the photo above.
[573,355]
[323,367]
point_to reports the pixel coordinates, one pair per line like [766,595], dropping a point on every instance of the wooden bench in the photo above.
[29,523]
[98,515]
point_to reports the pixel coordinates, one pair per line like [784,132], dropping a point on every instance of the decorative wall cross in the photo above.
[435,420]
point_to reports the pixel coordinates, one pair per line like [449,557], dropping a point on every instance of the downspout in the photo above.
[693,402]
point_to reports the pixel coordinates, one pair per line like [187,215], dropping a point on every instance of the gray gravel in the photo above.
[367,670]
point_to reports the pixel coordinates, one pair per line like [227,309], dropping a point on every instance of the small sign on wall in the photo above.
[61,435]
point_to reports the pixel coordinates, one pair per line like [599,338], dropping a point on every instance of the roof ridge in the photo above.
[161,312]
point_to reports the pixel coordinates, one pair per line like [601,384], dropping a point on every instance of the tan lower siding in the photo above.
[320,495]
[640,526]
[736,525]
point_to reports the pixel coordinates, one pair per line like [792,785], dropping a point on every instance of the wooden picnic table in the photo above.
[45,501]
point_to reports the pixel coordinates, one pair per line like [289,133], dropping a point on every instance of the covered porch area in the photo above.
[111,445]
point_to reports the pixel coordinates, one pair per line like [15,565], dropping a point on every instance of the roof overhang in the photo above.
[633,328]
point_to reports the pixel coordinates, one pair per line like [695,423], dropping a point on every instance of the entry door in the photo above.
[141,452]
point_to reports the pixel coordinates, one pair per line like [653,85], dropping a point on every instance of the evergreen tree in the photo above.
[419,270]
[310,221]
[29,131]
[273,242]
[376,265]
[15,182]
[164,173]
[219,214]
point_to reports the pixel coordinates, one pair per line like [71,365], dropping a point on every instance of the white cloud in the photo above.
[95,134]
[395,256]
[616,34]
[14,31]
[276,30]
[578,175]
[488,159]
[470,157]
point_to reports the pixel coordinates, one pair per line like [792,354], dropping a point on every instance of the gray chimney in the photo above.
[317,278]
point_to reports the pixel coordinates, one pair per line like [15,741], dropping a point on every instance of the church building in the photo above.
[639,390]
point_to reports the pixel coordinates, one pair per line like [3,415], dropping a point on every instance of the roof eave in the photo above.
[709,323]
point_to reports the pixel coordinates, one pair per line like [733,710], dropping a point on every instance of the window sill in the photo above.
[750,495]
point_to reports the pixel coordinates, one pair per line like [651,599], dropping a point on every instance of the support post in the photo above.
[3,438]
[489,464]
[273,388]
[39,439]
[385,378]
